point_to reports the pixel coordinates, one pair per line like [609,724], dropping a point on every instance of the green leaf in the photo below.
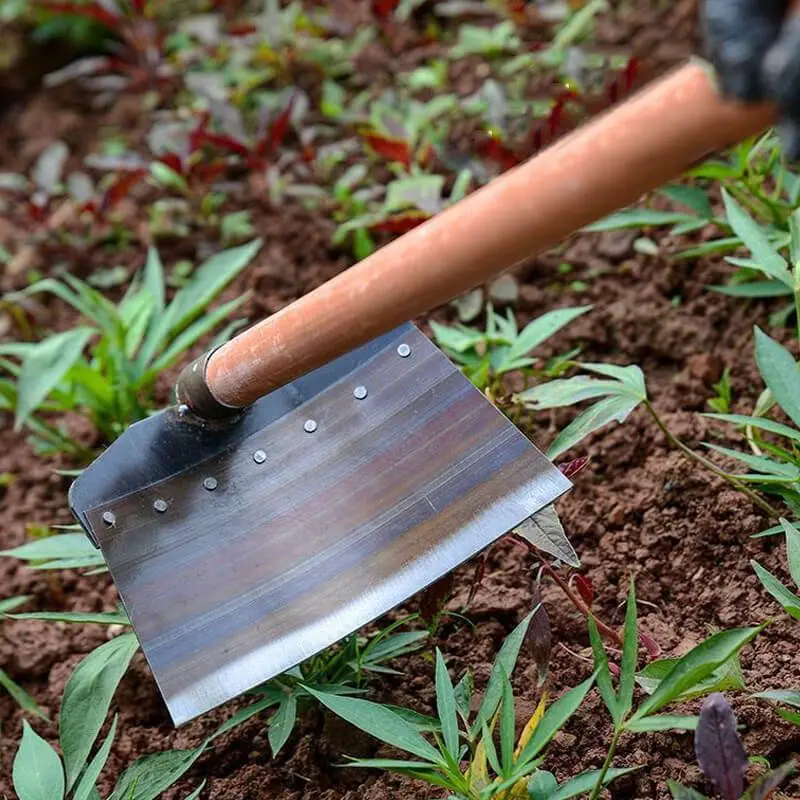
[83,791]
[151,775]
[44,366]
[792,549]
[630,655]
[37,771]
[604,684]
[243,714]
[780,373]
[490,749]
[554,719]
[568,392]
[695,666]
[542,786]
[692,197]
[384,725]
[392,764]
[754,238]
[787,599]
[77,617]
[507,724]
[20,696]
[153,279]
[684,793]
[639,218]
[281,723]
[790,716]
[758,422]
[754,289]
[463,695]
[597,416]
[422,192]
[10,603]
[586,781]
[761,464]
[504,664]
[663,722]
[63,545]
[196,793]
[538,331]
[446,706]
[87,697]
[629,376]
[790,698]
[727,677]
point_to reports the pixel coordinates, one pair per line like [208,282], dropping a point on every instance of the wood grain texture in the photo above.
[230,587]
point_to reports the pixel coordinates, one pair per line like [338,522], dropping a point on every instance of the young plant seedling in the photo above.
[685,675]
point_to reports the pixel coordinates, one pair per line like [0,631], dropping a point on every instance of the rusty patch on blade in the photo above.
[330,516]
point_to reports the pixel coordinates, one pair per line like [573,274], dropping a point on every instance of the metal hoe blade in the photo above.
[241,551]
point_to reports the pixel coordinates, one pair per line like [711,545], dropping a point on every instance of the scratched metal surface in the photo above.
[228,587]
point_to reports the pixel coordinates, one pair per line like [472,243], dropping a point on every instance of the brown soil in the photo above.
[638,509]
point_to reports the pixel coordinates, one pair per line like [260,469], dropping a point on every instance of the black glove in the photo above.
[755,47]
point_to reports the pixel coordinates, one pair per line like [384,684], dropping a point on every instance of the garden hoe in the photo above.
[329,462]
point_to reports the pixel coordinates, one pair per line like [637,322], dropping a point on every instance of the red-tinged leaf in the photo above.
[539,637]
[384,8]
[94,12]
[434,598]
[630,73]
[36,211]
[400,224]
[391,149]
[720,752]
[308,154]
[138,5]
[650,644]
[570,469]
[120,189]
[208,173]
[585,588]
[221,142]
[241,29]
[516,10]
[277,131]
[496,151]
[766,785]
[173,161]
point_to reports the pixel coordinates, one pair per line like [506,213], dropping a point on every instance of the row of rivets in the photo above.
[259,456]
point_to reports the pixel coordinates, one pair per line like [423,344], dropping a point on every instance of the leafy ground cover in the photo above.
[323,131]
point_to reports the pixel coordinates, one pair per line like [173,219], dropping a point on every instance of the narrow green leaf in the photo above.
[541,329]
[490,749]
[555,718]
[446,706]
[761,464]
[787,599]
[392,764]
[10,603]
[44,366]
[148,777]
[758,422]
[790,716]
[63,545]
[663,722]
[780,372]
[87,697]
[758,289]
[463,695]
[604,685]
[792,549]
[196,793]
[504,663]
[695,666]
[679,792]
[568,392]
[37,771]
[20,696]
[790,698]
[586,781]
[243,714]
[281,723]
[83,791]
[630,654]
[542,785]
[754,238]
[629,376]
[384,725]
[692,197]
[77,617]
[153,280]
[612,409]
[639,218]
[507,724]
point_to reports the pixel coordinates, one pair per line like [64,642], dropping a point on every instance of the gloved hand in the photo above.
[755,47]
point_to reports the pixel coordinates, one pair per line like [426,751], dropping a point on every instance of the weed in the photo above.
[723,759]
[684,676]
[721,402]
[486,356]
[129,345]
[456,750]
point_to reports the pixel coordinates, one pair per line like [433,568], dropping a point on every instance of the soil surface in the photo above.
[638,509]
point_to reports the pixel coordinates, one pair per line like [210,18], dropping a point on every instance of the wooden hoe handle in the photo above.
[606,165]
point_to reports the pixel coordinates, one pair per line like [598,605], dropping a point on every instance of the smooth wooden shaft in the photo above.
[604,166]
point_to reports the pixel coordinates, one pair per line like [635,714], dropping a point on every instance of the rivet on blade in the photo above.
[403,350]
[360,392]
[310,425]
[110,518]
[160,505]
[210,484]
[259,456]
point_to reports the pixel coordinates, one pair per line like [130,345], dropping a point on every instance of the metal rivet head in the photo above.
[360,392]
[160,505]
[403,350]
[259,456]
[210,483]
[310,425]
[110,518]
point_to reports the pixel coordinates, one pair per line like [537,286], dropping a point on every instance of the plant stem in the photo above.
[710,465]
[612,749]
